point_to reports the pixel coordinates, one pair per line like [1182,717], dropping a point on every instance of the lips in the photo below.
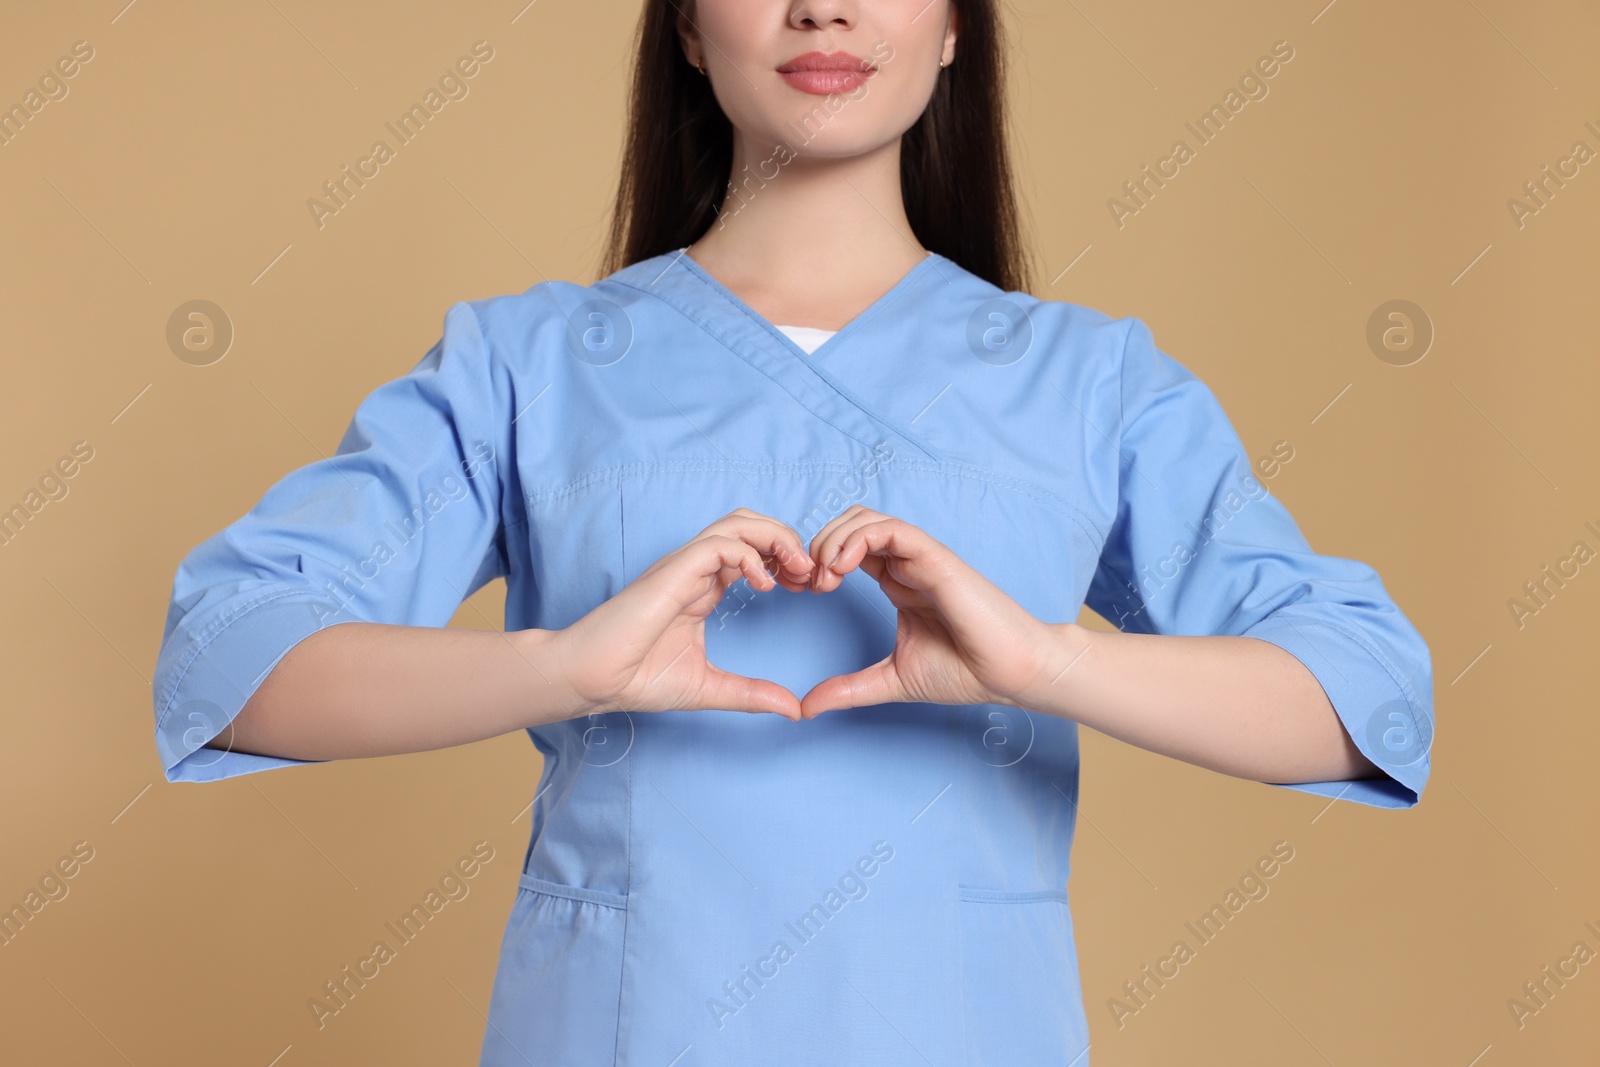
[823,73]
[826,61]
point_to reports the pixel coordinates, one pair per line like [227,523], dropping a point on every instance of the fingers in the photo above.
[830,540]
[712,563]
[826,540]
[869,540]
[781,551]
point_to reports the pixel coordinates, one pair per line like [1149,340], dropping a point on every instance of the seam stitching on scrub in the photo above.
[1038,494]
[490,363]
[978,895]
[504,472]
[646,466]
[582,894]
[1122,386]
[204,639]
[1028,489]
[1354,635]
[622,962]
[622,527]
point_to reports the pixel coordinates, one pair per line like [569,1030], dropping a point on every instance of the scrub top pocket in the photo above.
[549,1002]
[1020,979]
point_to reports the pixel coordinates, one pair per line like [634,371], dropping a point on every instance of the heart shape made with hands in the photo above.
[959,639]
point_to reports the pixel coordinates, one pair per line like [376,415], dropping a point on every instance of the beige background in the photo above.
[1378,167]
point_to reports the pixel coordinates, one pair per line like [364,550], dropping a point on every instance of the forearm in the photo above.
[1238,705]
[374,689]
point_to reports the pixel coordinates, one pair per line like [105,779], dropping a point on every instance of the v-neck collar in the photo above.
[678,281]
[843,333]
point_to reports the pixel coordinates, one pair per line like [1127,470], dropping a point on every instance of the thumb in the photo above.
[877,684]
[736,692]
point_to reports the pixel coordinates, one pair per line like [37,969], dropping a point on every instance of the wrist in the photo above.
[557,697]
[1058,648]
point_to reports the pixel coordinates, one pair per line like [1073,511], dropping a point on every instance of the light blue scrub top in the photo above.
[883,885]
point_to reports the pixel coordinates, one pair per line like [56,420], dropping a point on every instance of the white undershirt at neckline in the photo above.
[809,338]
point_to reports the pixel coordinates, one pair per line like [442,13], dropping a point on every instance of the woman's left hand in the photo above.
[958,640]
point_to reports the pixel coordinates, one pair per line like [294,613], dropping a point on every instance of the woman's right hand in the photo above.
[645,648]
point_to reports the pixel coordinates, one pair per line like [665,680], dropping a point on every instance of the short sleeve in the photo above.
[1200,546]
[400,525]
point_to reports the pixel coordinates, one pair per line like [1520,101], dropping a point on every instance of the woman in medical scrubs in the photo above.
[796,509]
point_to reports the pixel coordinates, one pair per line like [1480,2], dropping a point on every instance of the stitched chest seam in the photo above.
[1043,497]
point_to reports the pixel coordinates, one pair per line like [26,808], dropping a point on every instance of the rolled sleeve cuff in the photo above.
[214,672]
[1390,723]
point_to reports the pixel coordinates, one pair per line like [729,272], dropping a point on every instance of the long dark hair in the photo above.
[955,173]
